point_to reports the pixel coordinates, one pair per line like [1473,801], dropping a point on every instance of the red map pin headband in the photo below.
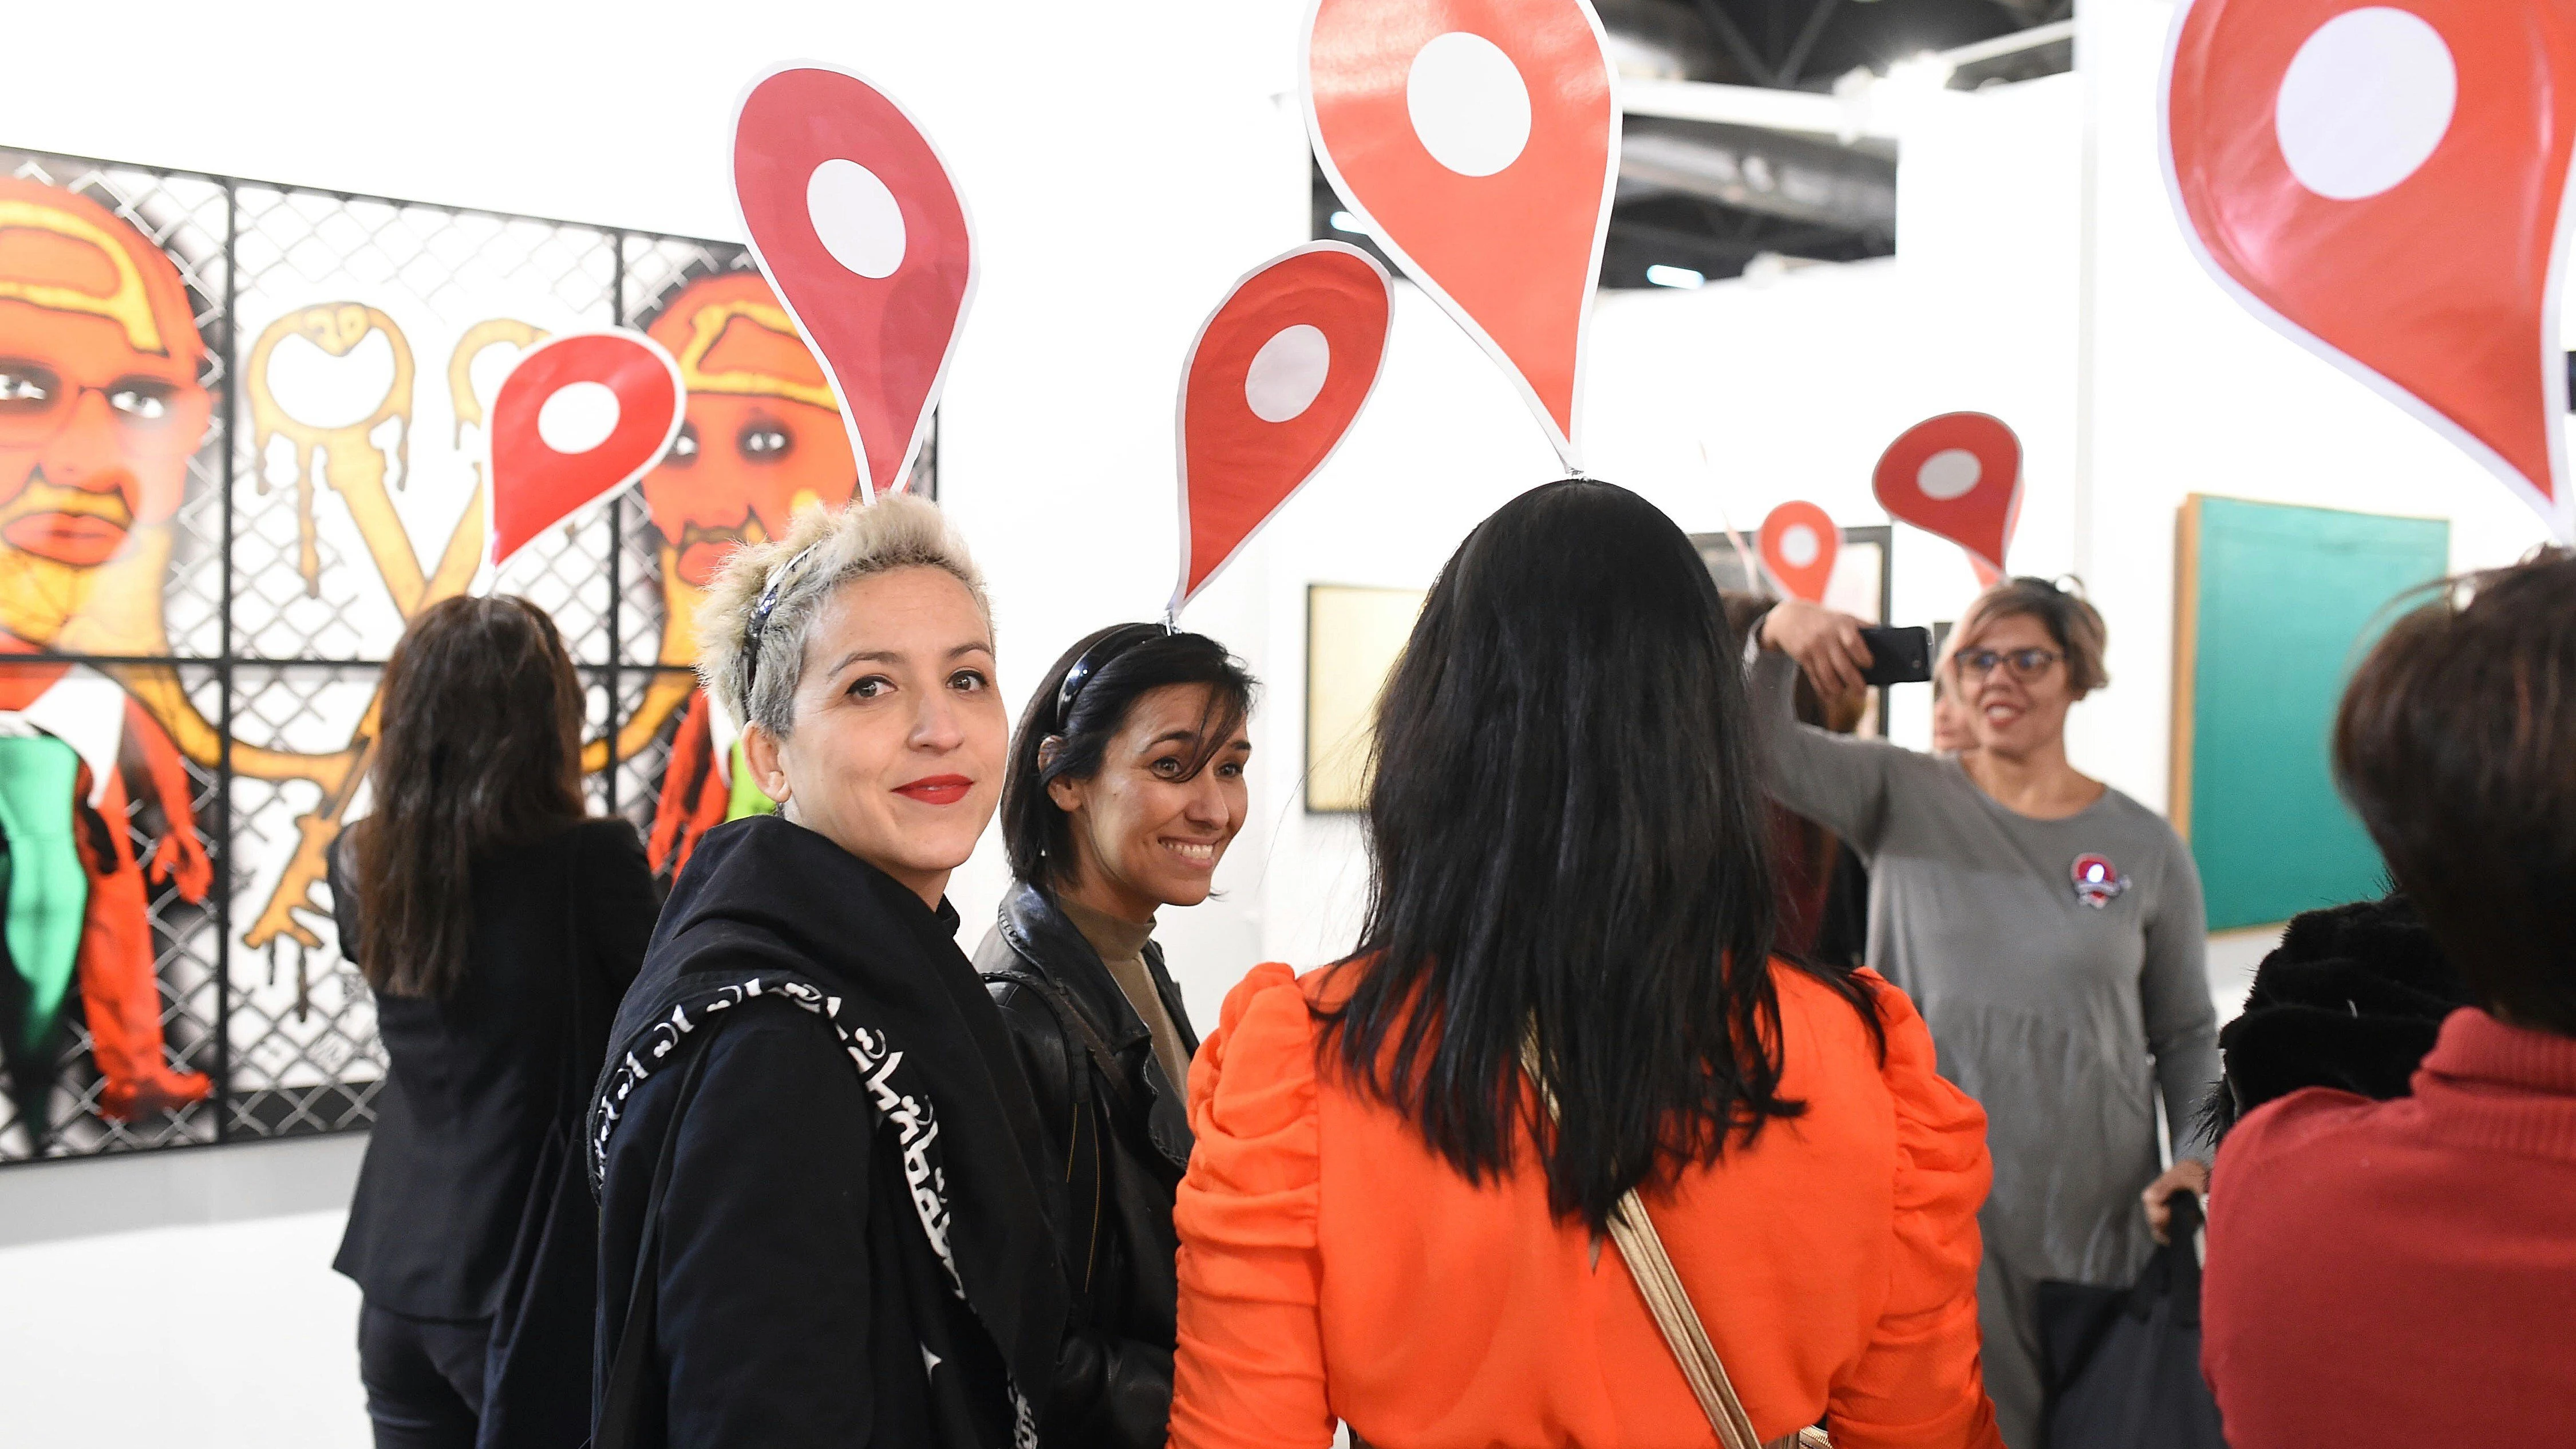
[854,221]
[1799,546]
[577,418]
[1480,140]
[1271,385]
[1957,475]
[2385,186]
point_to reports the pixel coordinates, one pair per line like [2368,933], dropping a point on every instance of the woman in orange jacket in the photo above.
[1382,1224]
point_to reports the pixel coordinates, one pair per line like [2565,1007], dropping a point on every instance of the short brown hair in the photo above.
[2456,744]
[2065,613]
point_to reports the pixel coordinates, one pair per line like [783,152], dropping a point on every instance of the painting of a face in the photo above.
[100,406]
[763,438]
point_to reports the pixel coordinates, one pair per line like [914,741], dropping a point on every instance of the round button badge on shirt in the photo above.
[2097,881]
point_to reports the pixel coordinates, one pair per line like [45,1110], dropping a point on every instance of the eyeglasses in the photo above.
[2026,664]
[37,402]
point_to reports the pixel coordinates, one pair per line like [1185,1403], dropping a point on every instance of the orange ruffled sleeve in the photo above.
[1919,1382]
[1249,1369]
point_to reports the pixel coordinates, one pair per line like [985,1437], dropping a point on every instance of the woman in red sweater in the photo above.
[1382,1225]
[2404,1272]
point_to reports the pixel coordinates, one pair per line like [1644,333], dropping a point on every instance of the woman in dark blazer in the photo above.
[821,1222]
[1126,787]
[498,925]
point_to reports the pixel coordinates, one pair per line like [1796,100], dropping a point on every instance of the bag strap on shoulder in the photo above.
[621,1408]
[1642,1248]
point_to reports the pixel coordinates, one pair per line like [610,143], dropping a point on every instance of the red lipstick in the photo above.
[937,789]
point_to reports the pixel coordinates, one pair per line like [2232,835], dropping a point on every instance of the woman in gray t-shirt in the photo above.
[2048,927]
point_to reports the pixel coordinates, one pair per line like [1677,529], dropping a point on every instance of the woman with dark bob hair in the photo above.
[2385,1273]
[2050,928]
[821,1215]
[1564,1023]
[1126,787]
[496,923]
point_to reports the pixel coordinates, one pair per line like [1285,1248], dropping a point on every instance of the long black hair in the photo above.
[480,747]
[1568,837]
[1117,666]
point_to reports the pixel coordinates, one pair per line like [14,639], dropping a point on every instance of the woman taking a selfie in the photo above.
[496,924]
[820,1218]
[1126,787]
[1564,1010]
[2048,926]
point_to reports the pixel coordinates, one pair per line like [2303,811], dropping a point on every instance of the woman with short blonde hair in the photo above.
[820,1212]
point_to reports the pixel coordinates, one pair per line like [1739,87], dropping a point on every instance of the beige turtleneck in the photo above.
[1121,945]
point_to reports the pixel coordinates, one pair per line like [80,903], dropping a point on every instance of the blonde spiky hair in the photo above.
[775,590]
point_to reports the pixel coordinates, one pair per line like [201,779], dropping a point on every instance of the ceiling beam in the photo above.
[1796,60]
[1813,112]
[1732,37]
[1810,111]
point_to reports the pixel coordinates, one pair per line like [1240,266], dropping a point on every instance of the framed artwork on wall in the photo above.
[1353,637]
[2274,604]
[239,447]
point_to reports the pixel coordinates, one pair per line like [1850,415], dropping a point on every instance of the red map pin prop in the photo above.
[1480,140]
[1957,475]
[1271,385]
[579,417]
[2385,186]
[854,221]
[1799,545]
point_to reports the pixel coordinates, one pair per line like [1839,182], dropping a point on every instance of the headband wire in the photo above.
[759,621]
[1096,658]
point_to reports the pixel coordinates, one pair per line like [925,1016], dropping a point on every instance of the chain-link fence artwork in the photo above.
[239,447]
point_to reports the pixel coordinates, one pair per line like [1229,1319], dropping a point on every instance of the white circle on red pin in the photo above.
[1468,104]
[577,417]
[856,217]
[1949,474]
[1799,545]
[1287,373]
[2365,102]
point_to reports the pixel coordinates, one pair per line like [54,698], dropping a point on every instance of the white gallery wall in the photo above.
[1123,167]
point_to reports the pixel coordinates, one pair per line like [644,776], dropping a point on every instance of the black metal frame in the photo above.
[228,662]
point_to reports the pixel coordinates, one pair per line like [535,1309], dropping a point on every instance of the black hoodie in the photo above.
[853,1246]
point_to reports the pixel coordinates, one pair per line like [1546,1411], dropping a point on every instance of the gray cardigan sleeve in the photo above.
[2182,1023]
[1839,782]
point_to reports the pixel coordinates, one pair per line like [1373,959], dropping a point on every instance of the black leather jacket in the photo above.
[1121,1133]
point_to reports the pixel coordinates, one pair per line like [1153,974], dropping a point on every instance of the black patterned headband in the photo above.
[760,613]
[1096,658]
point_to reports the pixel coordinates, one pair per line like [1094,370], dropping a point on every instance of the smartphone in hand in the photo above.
[1897,656]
